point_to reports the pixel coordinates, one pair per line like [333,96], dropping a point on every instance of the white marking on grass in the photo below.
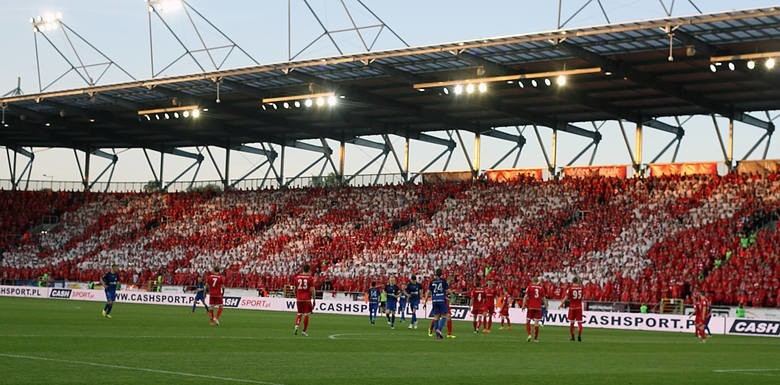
[135,337]
[337,336]
[744,370]
[183,374]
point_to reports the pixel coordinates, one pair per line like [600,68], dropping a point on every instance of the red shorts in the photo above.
[505,312]
[534,314]
[304,306]
[478,310]
[699,322]
[215,300]
[490,310]
[575,314]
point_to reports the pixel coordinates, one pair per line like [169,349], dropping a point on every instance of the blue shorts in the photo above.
[414,304]
[372,307]
[402,304]
[200,297]
[391,306]
[110,295]
[439,308]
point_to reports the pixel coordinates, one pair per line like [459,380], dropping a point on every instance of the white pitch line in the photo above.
[744,370]
[134,337]
[183,374]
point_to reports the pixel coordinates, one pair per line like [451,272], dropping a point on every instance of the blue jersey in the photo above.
[392,293]
[111,280]
[200,289]
[373,295]
[403,297]
[414,290]
[438,288]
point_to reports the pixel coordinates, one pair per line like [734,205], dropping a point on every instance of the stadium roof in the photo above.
[630,78]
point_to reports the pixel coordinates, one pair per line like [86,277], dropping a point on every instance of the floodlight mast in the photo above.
[53,21]
[161,8]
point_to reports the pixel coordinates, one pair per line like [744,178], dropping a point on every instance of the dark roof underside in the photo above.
[379,97]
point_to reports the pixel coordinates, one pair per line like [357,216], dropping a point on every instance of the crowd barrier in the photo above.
[605,320]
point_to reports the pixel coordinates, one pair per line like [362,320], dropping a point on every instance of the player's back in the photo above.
[477,297]
[535,294]
[490,296]
[215,282]
[303,285]
[574,293]
[414,291]
[438,288]
[373,295]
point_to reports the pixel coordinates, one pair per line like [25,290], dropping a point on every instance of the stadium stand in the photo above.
[632,240]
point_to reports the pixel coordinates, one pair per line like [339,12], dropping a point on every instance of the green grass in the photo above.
[68,342]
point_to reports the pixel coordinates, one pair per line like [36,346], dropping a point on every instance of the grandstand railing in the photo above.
[246,184]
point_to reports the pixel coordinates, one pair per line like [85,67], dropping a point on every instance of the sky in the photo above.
[120,29]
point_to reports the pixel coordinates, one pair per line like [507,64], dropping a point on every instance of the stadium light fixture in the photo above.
[470,88]
[713,68]
[195,113]
[458,89]
[293,98]
[308,103]
[332,101]
[547,82]
[183,111]
[320,102]
[47,22]
[164,5]
[520,84]
[297,104]
[446,91]
[732,67]
[561,80]
[534,83]
[505,78]
[751,64]
[286,105]
[770,63]
[482,88]
[186,114]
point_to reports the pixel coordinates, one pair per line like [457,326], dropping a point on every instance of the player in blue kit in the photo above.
[413,289]
[110,281]
[403,299]
[392,290]
[438,290]
[373,302]
[200,294]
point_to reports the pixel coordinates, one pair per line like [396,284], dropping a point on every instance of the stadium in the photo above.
[341,177]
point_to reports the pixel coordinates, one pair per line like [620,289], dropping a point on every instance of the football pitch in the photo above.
[68,342]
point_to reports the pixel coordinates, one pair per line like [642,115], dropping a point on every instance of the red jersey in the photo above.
[303,284]
[477,298]
[535,295]
[702,308]
[490,297]
[506,300]
[215,282]
[574,294]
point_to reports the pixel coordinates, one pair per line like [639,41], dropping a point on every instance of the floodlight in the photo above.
[713,68]
[751,64]
[297,104]
[286,105]
[458,89]
[157,116]
[561,80]
[308,103]
[148,117]
[320,102]
[186,114]
[164,5]
[770,63]
[446,91]
[264,107]
[547,82]
[520,84]
[482,87]
[195,113]
[332,101]
[732,67]
[470,88]
[534,83]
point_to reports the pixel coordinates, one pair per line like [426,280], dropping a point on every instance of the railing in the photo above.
[179,186]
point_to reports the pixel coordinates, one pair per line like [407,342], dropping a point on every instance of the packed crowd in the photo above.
[630,240]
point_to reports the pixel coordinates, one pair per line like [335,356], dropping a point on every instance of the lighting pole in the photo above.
[51,181]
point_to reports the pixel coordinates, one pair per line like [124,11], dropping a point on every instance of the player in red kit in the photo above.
[701,309]
[490,306]
[215,287]
[533,300]
[477,295]
[506,301]
[574,298]
[304,293]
